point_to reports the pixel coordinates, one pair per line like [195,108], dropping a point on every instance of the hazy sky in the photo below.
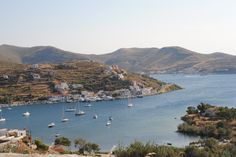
[101,26]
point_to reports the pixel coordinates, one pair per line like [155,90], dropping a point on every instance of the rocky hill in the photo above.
[147,60]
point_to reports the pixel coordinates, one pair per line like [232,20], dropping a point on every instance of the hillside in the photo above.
[170,60]
[147,60]
[38,54]
[20,83]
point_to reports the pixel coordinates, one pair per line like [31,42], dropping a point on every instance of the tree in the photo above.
[83,145]
[202,107]
[80,143]
[62,141]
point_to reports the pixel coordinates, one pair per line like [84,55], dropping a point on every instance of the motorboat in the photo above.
[26,114]
[2,119]
[130,105]
[108,123]
[51,125]
[64,120]
[88,105]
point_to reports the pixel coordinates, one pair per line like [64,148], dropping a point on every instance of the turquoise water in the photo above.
[151,119]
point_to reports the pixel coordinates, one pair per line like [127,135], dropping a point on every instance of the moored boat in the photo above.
[26,114]
[51,125]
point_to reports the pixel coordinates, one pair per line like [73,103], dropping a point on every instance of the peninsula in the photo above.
[73,81]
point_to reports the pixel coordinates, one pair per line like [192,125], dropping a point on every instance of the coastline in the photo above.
[169,87]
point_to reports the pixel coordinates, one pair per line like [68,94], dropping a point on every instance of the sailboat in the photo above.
[79,112]
[70,109]
[63,119]
[1,117]
[129,103]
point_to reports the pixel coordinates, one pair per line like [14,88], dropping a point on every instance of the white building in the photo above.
[35,66]
[35,76]
[61,87]
[77,86]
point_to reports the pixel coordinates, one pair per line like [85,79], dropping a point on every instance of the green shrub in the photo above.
[40,145]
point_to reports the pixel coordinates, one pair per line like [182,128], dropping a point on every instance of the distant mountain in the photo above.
[170,60]
[38,54]
[147,60]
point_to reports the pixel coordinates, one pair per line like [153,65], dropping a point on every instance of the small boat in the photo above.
[95,116]
[110,118]
[108,123]
[140,96]
[57,135]
[70,109]
[51,125]
[80,113]
[1,117]
[63,119]
[130,105]
[88,105]
[9,108]
[69,101]
[26,114]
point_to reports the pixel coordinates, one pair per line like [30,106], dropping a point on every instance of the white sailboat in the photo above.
[129,103]
[79,112]
[2,119]
[63,119]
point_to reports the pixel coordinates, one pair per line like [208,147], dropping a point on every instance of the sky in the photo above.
[102,26]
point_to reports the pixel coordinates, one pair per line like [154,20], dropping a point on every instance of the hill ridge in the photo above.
[170,59]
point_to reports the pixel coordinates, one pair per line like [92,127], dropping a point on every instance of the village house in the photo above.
[35,76]
[56,98]
[120,76]
[76,86]
[34,66]
[61,87]
[6,77]
[122,93]
[147,91]
[87,94]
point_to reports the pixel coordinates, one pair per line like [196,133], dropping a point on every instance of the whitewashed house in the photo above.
[61,87]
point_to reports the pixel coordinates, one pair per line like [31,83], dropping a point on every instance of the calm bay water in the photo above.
[151,119]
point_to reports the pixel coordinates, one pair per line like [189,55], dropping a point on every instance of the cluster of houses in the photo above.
[63,89]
